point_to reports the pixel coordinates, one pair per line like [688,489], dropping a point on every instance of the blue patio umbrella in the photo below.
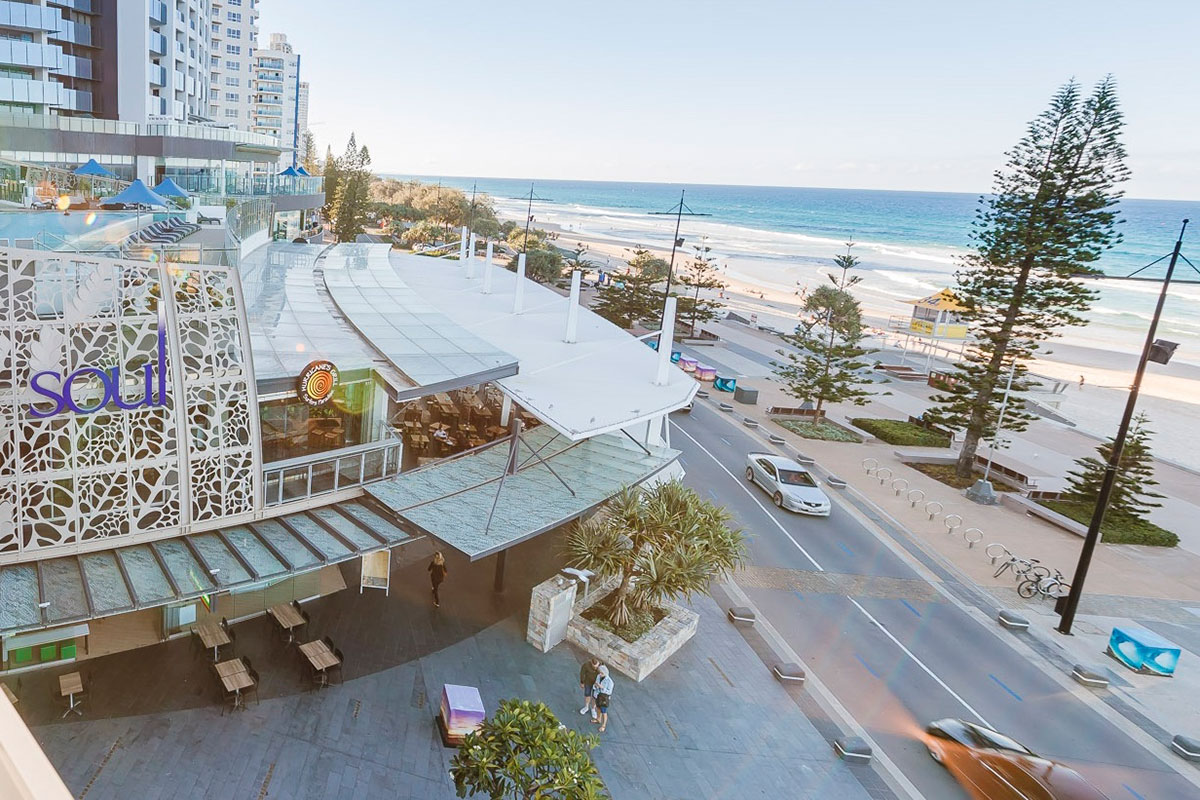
[302,172]
[290,172]
[169,188]
[137,193]
[93,169]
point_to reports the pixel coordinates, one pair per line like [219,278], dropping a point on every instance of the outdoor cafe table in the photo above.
[234,677]
[70,685]
[438,426]
[496,431]
[288,617]
[212,635]
[443,399]
[321,657]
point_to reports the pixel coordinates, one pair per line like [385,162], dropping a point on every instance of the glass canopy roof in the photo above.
[464,502]
[423,343]
[58,591]
[291,323]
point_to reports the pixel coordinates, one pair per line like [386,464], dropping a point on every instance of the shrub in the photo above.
[1117,528]
[894,431]
[641,620]
[825,431]
[947,474]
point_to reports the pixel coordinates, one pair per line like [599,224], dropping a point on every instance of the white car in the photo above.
[790,485]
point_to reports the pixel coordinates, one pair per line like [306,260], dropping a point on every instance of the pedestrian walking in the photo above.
[587,681]
[603,690]
[437,574]
[1080,381]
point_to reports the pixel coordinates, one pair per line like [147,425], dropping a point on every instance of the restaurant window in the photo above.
[291,428]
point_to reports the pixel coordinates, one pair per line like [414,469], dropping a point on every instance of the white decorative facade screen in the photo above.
[126,401]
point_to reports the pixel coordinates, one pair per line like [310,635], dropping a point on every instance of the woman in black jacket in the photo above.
[437,574]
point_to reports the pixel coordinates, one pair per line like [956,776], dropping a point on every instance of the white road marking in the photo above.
[920,663]
[750,494]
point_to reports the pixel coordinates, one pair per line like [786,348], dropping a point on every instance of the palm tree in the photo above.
[663,542]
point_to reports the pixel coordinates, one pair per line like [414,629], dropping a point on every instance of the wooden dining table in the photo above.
[235,676]
[288,617]
[321,656]
[212,635]
[70,685]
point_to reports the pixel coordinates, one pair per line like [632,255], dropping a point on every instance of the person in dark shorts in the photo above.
[437,574]
[604,690]
[587,678]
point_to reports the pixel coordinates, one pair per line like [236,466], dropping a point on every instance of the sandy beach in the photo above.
[1170,394]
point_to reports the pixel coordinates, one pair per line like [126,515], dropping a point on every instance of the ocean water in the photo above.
[908,242]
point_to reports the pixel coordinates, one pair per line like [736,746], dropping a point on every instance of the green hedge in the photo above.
[894,431]
[825,431]
[1117,528]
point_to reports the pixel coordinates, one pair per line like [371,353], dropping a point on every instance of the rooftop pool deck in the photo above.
[56,228]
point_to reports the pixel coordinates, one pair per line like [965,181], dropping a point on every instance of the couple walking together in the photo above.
[597,691]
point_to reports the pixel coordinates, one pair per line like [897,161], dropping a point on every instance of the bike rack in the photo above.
[953,522]
[989,551]
[933,508]
[870,465]
[915,496]
[883,478]
[972,538]
[899,485]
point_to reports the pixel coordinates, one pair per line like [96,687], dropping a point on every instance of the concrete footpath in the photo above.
[711,723]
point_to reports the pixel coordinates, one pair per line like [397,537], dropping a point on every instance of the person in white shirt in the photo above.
[603,692]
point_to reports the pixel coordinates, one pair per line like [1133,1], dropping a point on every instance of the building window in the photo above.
[232,81]
[233,97]
[233,49]
[234,33]
[231,113]
[233,16]
[214,61]
[233,66]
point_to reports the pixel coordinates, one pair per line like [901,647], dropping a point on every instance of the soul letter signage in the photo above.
[111,380]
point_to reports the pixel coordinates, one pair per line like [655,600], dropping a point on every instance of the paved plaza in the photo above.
[710,723]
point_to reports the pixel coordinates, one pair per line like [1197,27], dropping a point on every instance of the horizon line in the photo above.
[686,185]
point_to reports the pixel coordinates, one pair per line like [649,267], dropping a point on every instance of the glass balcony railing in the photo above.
[158,12]
[108,126]
[247,186]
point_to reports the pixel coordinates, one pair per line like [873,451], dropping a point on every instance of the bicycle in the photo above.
[1023,568]
[1048,586]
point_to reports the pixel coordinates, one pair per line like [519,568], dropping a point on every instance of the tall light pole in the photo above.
[1159,352]
[678,210]
[987,471]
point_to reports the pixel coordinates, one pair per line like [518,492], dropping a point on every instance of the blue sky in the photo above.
[855,94]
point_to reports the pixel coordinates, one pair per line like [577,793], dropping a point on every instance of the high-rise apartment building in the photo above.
[277,96]
[301,121]
[132,60]
[48,58]
[234,41]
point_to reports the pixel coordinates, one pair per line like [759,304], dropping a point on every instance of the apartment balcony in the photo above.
[158,43]
[158,75]
[156,106]
[84,6]
[75,67]
[73,32]
[158,12]
[77,100]
[29,17]
[178,109]
[30,54]
[18,90]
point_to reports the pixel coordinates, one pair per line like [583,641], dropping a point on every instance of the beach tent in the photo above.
[137,193]
[93,169]
[169,188]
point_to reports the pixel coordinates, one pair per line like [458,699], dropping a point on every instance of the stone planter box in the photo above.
[637,659]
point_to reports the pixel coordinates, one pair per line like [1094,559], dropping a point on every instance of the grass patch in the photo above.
[641,620]
[1117,528]
[825,431]
[945,473]
[894,431]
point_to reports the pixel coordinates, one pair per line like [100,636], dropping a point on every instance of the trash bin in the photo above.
[746,395]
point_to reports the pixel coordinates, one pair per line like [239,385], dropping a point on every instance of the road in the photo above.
[894,651]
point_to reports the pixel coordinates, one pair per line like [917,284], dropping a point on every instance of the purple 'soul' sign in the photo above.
[111,379]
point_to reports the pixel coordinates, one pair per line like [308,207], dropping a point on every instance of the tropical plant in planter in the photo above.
[662,543]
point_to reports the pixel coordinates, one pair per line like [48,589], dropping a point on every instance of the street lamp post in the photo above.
[1151,351]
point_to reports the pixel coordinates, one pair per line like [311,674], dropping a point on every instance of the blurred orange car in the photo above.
[991,766]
